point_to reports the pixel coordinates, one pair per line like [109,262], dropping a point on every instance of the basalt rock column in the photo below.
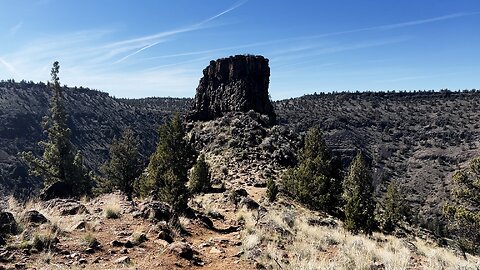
[237,83]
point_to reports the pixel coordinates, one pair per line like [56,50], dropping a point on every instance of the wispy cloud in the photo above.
[14,29]
[7,65]
[92,59]
[149,41]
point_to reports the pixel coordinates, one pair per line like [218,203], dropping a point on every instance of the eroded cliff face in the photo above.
[237,83]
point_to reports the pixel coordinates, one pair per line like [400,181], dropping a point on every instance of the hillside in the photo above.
[417,138]
[95,119]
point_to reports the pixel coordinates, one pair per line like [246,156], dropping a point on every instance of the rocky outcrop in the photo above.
[34,217]
[8,225]
[238,83]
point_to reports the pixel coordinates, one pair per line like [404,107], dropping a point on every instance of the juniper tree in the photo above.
[272,190]
[200,180]
[464,214]
[315,181]
[60,161]
[167,172]
[124,165]
[359,206]
[394,206]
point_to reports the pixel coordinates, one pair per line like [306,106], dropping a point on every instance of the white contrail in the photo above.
[163,35]
[137,51]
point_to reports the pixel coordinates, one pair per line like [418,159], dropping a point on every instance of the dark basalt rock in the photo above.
[237,83]
[156,210]
[8,225]
[33,216]
[57,190]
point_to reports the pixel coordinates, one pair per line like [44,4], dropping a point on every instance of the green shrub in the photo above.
[200,180]
[316,180]
[272,190]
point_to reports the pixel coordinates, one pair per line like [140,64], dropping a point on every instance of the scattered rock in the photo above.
[8,225]
[82,261]
[205,244]
[128,244]
[249,203]
[80,226]
[123,260]
[236,195]
[165,235]
[181,249]
[377,266]
[89,250]
[35,217]
[215,250]
[325,222]
[116,243]
[238,254]
[20,266]
[140,238]
[124,251]
[258,265]
[215,215]
[206,221]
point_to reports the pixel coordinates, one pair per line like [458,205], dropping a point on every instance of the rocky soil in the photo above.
[64,234]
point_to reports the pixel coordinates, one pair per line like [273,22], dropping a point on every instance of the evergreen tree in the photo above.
[272,190]
[167,172]
[200,180]
[394,206]
[358,197]
[464,215]
[124,165]
[60,161]
[315,181]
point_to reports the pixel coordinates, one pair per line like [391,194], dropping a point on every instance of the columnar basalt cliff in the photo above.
[237,83]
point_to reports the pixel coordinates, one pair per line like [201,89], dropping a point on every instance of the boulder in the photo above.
[237,83]
[8,225]
[181,249]
[156,210]
[66,207]
[236,195]
[35,217]
[123,260]
[249,203]
[56,190]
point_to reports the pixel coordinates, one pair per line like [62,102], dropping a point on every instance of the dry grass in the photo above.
[112,208]
[302,246]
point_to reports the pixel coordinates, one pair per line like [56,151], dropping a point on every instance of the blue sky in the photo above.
[159,48]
